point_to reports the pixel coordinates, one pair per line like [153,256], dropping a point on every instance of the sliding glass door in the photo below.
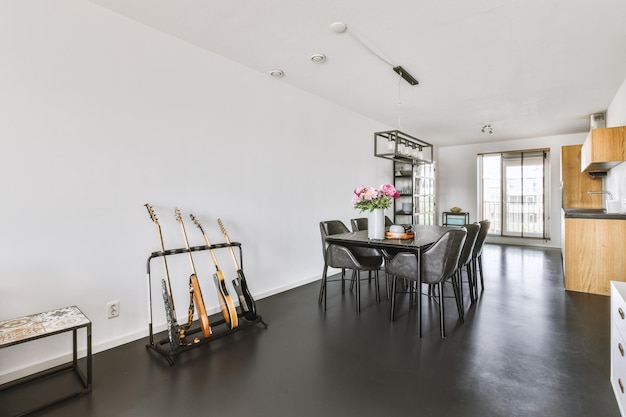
[514,193]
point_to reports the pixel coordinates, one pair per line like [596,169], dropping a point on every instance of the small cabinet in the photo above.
[454,218]
[575,184]
[603,149]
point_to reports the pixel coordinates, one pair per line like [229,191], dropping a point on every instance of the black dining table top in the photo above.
[425,235]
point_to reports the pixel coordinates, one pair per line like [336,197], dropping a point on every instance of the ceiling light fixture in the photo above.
[487,129]
[277,73]
[341,27]
[318,58]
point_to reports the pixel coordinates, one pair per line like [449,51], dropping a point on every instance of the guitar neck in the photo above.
[182,228]
[165,269]
[206,240]
[230,247]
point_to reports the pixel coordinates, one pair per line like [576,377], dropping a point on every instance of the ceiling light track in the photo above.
[341,27]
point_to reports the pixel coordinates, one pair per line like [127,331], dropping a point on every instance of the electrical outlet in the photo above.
[113,309]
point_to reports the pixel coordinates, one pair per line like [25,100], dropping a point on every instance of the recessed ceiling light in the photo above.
[318,58]
[338,27]
[277,73]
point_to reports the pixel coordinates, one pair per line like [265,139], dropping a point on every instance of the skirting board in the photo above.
[33,368]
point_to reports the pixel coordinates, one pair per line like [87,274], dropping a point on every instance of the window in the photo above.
[514,193]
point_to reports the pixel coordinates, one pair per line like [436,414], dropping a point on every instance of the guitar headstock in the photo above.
[179,218]
[219,221]
[197,223]
[152,215]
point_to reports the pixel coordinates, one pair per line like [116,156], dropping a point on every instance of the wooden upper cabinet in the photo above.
[603,149]
[575,183]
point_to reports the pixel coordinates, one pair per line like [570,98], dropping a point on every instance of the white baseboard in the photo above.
[35,367]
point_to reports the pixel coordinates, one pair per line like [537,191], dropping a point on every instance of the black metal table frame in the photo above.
[425,236]
[85,380]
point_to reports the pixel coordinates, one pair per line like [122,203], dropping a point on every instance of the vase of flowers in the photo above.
[375,201]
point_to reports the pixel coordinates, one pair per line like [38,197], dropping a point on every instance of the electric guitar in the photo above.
[241,287]
[229,311]
[173,330]
[194,286]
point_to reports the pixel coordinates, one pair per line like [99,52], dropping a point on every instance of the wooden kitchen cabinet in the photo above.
[594,254]
[603,149]
[575,183]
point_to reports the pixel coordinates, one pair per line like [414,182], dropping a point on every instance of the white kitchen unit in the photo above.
[618,343]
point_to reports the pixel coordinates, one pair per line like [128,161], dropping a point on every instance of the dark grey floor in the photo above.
[527,348]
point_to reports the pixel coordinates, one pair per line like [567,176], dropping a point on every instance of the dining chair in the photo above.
[356,259]
[358,224]
[477,256]
[361,223]
[437,264]
[465,260]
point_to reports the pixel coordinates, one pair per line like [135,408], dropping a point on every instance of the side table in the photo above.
[454,218]
[37,326]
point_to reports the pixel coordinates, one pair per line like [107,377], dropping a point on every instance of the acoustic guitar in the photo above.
[194,285]
[229,311]
[174,332]
[241,287]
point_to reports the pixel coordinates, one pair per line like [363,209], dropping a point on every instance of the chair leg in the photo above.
[343,280]
[460,286]
[474,279]
[357,279]
[457,297]
[480,267]
[418,306]
[468,269]
[442,325]
[393,297]
[377,286]
[323,284]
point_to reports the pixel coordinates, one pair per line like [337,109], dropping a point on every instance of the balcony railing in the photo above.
[521,219]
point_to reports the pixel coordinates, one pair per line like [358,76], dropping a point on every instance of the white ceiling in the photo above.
[529,68]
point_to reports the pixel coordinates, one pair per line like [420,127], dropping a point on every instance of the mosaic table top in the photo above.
[36,325]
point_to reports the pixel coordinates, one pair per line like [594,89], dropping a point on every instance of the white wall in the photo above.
[457,170]
[615,181]
[99,115]
[458,185]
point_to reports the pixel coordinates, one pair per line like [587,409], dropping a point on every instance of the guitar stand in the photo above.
[163,346]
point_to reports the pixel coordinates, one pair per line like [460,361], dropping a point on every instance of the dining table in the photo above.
[424,237]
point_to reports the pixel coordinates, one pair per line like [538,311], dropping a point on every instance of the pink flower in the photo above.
[358,190]
[390,190]
[370,198]
[370,193]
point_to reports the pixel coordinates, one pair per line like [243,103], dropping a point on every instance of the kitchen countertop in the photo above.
[583,213]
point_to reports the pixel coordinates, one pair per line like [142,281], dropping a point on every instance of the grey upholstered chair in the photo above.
[355,258]
[438,263]
[465,261]
[359,224]
[477,256]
